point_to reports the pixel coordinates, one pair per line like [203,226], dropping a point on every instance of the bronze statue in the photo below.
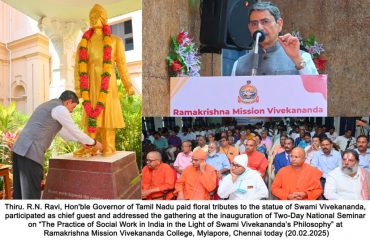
[95,81]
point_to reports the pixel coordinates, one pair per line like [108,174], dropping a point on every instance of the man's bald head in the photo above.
[153,159]
[297,157]
[156,155]
[250,146]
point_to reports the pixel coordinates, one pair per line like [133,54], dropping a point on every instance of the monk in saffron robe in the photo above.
[299,181]
[228,150]
[198,180]
[157,177]
[256,160]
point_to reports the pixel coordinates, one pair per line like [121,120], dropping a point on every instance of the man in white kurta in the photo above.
[348,181]
[242,183]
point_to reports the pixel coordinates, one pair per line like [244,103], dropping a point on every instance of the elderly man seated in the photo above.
[242,183]
[157,177]
[299,181]
[348,181]
[183,159]
[217,160]
[198,180]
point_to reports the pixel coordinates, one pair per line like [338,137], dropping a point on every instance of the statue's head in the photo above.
[98,16]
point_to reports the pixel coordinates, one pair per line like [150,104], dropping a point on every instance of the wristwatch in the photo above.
[302,64]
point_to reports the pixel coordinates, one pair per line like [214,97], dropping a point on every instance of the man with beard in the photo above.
[242,183]
[363,151]
[157,177]
[327,159]
[349,181]
[299,181]
[197,181]
[312,149]
[217,160]
[283,159]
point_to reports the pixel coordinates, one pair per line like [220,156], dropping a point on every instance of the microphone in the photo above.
[258,36]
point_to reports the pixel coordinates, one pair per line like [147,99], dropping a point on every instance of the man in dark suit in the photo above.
[283,159]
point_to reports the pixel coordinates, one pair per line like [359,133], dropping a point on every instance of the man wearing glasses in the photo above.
[157,177]
[278,55]
[242,183]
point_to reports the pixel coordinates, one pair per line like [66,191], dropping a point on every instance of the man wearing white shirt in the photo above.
[312,149]
[201,144]
[345,141]
[332,134]
[364,152]
[240,144]
[242,183]
[28,153]
[348,181]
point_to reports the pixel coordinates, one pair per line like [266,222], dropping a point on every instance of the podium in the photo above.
[249,96]
[95,177]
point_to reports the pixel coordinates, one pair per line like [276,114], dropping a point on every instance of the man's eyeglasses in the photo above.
[263,22]
[150,160]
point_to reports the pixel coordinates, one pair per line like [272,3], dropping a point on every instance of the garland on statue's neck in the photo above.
[93,113]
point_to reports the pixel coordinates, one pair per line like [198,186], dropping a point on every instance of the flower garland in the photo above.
[93,113]
[183,59]
[314,48]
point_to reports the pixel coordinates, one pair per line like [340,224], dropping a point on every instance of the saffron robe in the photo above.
[257,161]
[197,185]
[163,177]
[305,179]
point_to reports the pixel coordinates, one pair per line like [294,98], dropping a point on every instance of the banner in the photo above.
[250,96]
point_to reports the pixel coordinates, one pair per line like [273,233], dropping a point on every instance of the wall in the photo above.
[343,27]
[30,73]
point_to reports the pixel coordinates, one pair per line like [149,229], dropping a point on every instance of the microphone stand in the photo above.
[259,36]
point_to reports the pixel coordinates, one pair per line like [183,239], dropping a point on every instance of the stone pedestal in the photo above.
[95,177]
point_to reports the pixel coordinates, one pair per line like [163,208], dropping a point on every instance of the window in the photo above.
[124,31]
[169,122]
[148,124]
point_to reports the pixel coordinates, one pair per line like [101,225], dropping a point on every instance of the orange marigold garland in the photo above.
[93,113]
